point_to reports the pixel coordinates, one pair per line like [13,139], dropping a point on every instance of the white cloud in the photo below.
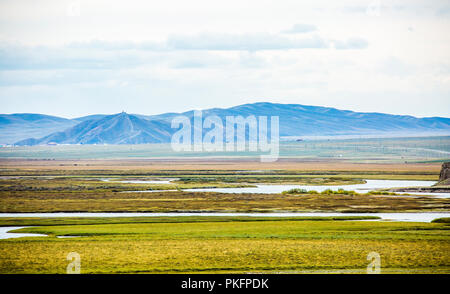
[352,43]
[249,42]
[300,28]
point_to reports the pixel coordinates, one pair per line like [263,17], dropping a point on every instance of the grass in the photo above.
[56,221]
[82,184]
[272,179]
[297,191]
[340,191]
[86,193]
[227,246]
[215,244]
[178,201]
[445,220]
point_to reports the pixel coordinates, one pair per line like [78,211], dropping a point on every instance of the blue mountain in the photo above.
[295,121]
[301,120]
[120,128]
[14,127]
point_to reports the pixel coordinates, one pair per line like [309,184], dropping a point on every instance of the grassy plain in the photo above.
[214,244]
[228,246]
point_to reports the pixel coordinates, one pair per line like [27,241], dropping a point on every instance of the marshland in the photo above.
[228,243]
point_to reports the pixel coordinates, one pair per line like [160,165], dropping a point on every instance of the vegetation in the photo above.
[337,192]
[228,246]
[88,193]
[180,201]
[445,220]
[382,193]
[56,221]
[299,191]
[215,244]
[290,179]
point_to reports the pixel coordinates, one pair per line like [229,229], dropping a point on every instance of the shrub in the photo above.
[381,193]
[295,191]
[445,220]
[338,192]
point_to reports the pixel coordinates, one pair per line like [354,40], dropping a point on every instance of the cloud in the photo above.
[300,28]
[252,60]
[211,42]
[443,11]
[41,58]
[352,43]
[193,60]
[118,45]
[394,66]
[247,42]
[177,51]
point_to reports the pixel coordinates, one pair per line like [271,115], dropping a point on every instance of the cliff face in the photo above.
[445,174]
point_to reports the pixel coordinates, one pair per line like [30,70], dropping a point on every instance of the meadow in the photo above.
[215,244]
[227,245]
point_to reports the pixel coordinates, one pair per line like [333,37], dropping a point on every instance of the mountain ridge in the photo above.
[119,128]
[296,120]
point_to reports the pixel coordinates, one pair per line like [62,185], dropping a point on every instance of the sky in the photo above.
[73,58]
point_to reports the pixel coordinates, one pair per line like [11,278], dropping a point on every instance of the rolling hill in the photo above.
[302,120]
[120,128]
[295,121]
[18,126]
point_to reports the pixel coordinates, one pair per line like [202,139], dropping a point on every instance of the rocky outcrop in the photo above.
[445,172]
[443,186]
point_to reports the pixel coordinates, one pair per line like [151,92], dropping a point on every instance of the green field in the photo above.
[226,245]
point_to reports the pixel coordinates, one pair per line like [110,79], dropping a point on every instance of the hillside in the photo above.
[120,128]
[18,126]
[295,121]
[302,120]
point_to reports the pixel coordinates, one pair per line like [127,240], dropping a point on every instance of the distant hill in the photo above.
[120,128]
[89,117]
[295,121]
[18,126]
[301,120]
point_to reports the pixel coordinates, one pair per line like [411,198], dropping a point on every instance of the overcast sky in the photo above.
[73,58]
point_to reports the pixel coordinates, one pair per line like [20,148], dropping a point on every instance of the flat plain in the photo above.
[215,244]
[229,245]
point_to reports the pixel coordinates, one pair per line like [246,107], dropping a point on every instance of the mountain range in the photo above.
[296,121]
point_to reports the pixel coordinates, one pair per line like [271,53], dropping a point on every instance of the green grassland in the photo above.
[226,245]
